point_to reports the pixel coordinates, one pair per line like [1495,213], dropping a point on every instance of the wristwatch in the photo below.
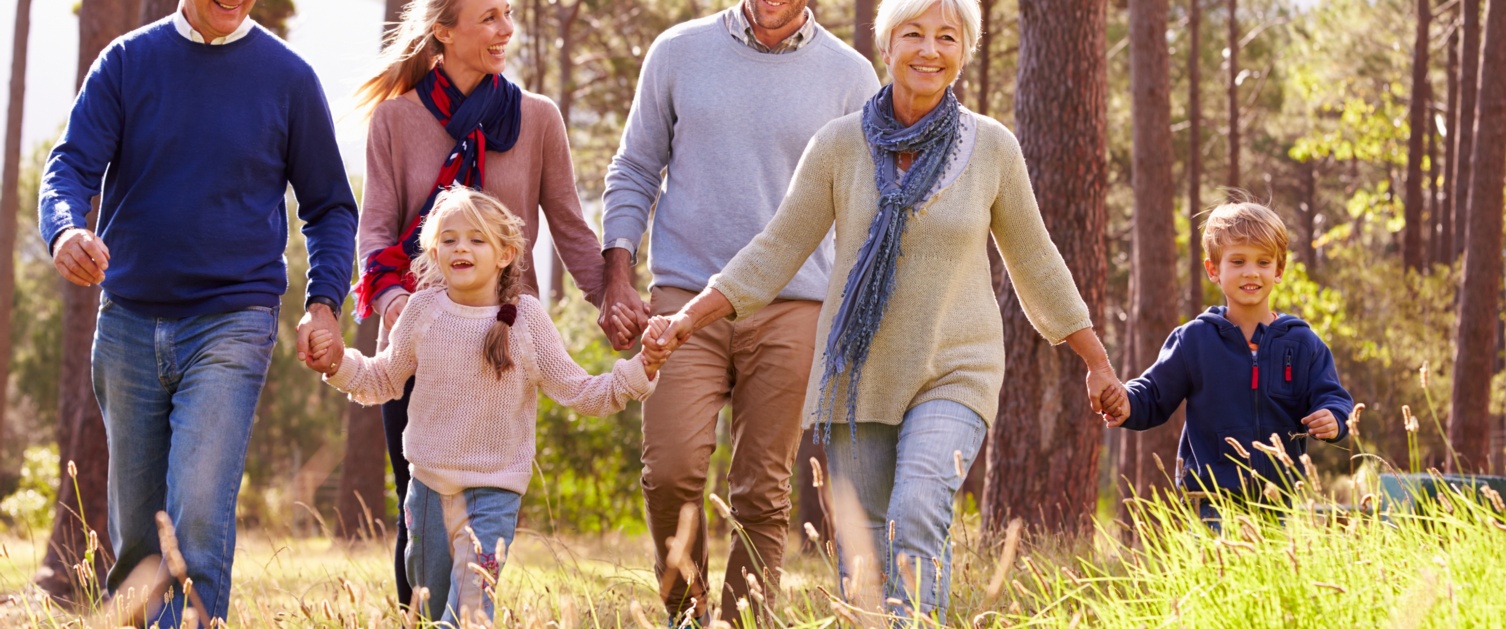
[334,307]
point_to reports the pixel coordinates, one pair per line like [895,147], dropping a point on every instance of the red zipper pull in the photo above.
[1288,373]
[1254,377]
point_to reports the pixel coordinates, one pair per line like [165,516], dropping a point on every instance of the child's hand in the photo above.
[668,332]
[1322,424]
[653,355]
[1115,404]
[322,342]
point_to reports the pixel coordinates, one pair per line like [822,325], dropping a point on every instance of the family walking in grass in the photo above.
[820,260]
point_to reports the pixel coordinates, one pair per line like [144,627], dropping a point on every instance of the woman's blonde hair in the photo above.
[502,230]
[408,52]
[892,13]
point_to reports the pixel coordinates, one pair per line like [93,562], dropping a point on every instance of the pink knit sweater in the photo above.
[405,150]
[466,427]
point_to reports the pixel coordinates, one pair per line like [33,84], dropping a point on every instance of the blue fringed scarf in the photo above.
[865,297]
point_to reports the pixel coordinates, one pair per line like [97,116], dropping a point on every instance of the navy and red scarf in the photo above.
[486,120]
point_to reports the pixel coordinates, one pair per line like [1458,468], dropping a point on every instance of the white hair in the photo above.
[892,13]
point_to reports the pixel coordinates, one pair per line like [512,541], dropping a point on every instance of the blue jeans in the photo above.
[906,475]
[178,398]
[472,522]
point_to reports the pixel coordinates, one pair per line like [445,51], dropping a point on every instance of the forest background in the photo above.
[1352,118]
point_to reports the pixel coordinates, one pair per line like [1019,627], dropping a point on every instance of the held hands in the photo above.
[1322,424]
[1108,396]
[81,257]
[325,348]
[623,314]
[318,317]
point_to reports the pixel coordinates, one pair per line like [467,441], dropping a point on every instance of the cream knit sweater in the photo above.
[942,336]
[466,427]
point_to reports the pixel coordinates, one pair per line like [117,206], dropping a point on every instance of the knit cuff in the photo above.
[341,379]
[635,377]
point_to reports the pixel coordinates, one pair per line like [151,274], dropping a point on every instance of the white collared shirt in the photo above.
[185,29]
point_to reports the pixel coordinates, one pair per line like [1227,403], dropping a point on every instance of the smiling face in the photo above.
[1246,274]
[925,56]
[476,45]
[214,19]
[470,262]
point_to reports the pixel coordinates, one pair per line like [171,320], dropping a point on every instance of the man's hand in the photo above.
[393,311]
[1322,424]
[321,344]
[623,311]
[317,317]
[81,257]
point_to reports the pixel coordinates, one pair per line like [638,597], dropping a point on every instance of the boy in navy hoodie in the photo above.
[1246,372]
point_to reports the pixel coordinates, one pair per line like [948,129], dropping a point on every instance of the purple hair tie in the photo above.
[508,313]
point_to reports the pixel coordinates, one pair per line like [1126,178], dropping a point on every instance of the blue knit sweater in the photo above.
[1229,393]
[195,146]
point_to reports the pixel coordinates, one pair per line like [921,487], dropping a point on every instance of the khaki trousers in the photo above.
[760,365]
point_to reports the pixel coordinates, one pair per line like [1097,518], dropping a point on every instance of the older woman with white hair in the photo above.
[914,351]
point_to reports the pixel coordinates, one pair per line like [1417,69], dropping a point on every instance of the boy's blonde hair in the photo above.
[502,230]
[1245,223]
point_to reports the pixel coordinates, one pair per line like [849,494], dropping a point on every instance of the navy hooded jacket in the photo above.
[1231,394]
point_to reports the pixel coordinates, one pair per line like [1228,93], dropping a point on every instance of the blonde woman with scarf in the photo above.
[914,350]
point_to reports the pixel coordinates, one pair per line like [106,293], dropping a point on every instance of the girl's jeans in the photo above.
[905,475]
[472,522]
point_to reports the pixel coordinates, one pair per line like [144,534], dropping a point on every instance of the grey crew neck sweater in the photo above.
[719,127]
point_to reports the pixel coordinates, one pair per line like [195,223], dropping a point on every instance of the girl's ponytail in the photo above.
[509,286]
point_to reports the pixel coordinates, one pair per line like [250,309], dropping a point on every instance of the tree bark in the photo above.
[81,501]
[1469,73]
[1232,182]
[982,58]
[1474,353]
[862,28]
[1444,252]
[153,10]
[1411,240]
[10,201]
[1434,194]
[362,499]
[1308,254]
[1153,305]
[1043,455]
[1194,160]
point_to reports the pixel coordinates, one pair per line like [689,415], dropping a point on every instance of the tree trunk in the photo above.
[1469,73]
[1043,457]
[153,10]
[1411,239]
[1153,300]
[10,201]
[1434,194]
[81,501]
[982,59]
[362,499]
[1308,254]
[1444,252]
[1233,88]
[862,28]
[1469,418]
[1194,161]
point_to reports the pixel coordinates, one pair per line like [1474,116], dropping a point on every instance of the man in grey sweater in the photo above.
[724,109]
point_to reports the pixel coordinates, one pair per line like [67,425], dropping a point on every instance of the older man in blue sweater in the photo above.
[192,128]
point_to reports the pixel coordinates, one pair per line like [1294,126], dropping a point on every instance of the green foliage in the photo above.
[587,467]
[29,508]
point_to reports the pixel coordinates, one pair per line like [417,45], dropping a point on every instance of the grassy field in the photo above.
[1443,566]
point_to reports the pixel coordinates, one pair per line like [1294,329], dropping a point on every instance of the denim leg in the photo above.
[183,393]
[427,556]
[222,363]
[394,420]
[925,486]
[476,520]
[135,404]
[862,478]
